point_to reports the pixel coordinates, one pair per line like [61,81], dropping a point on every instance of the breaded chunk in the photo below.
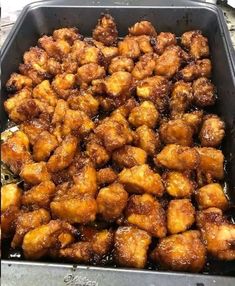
[129,156]
[144,114]
[144,43]
[44,92]
[212,131]
[141,179]
[35,173]
[176,132]
[77,252]
[181,252]
[129,48]
[67,34]
[90,54]
[43,146]
[28,221]
[63,154]
[10,196]
[178,185]
[106,31]
[105,176]
[142,28]
[164,40]
[144,67]
[8,221]
[89,72]
[193,119]
[126,108]
[121,63]
[178,157]
[212,195]
[63,84]
[15,151]
[217,233]
[211,162]
[40,195]
[180,215]
[203,92]
[131,246]
[145,212]
[111,201]
[194,70]
[39,241]
[16,82]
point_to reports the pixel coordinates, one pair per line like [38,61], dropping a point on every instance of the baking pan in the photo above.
[166,15]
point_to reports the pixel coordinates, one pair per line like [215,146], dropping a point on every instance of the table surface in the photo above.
[11,10]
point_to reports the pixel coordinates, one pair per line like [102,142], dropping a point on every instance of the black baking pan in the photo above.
[166,15]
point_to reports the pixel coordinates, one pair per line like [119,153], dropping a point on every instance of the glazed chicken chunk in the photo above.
[35,173]
[142,28]
[10,196]
[17,82]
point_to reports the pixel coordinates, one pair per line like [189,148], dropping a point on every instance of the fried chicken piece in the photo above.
[141,179]
[74,207]
[181,98]
[121,63]
[176,132]
[102,242]
[67,34]
[180,215]
[8,220]
[144,67]
[63,84]
[203,92]
[63,154]
[181,252]
[105,176]
[217,233]
[211,162]
[129,47]
[155,89]
[142,28]
[15,151]
[194,70]
[89,72]
[147,139]
[169,62]
[178,157]
[28,71]
[38,242]
[212,131]
[28,221]
[126,108]
[108,52]
[212,195]
[111,201]
[178,185]
[106,31]
[69,65]
[144,43]
[16,82]
[10,196]
[196,43]
[128,156]
[90,54]
[131,246]
[144,114]
[114,132]
[162,41]
[145,212]
[60,111]
[77,252]
[193,119]
[44,92]
[35,173]
[39,196]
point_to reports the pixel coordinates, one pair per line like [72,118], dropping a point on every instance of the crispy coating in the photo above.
[203,92]
[63,155]
[121,63]
[90,54]
[39,196]
[144,67]
[28,221]
[89,72]
[217,233]
[67,34]
[43,146]
[111,201]
[102,242]
[194,119]
[60,111]
[8,220]
[126,108]
[36,59]
[162,41]
[40,240]
[194,70]
[211,162]
[142,28]
[105,176]
[181,98]
[35,173]
[180,215]
[77,252]
[63,84]
[44,92]
[212,195]
[15,151]
[106,31]
[181,252]
[129,48]
[141,179]
[178,185]
[129,156]
[131,246]
[16,82]
[145,212]
[144,43]
[28,71]
[176,132]
[147,139]
[54,67]
[212,131]
[10,196]
[144,114]
[196,43]
[178,157]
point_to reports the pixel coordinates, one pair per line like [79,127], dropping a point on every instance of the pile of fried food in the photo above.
[116,154]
